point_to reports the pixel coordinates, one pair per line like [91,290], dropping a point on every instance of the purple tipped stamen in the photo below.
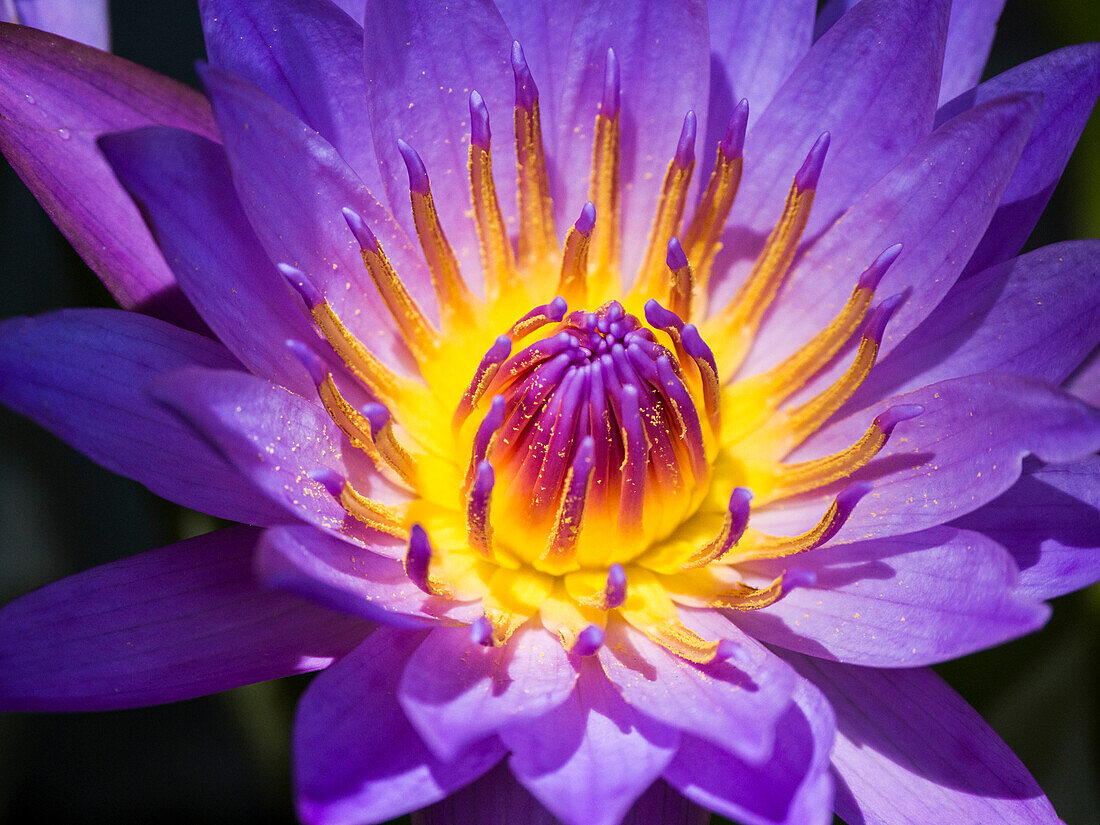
[879,317]
[808,175]
[418,558]
[733,143]
[527,93]
[611,102]
[873,274]
[480,135]
[846,501]
[315,366]
[675,258]
[363,236]
[685,148]
[731,651]
[614,591]
[377,416]
[587,221]
[892,416]
[418,174]
[331,480]
[302,285]
[481,632]
[589,641]
[795,577]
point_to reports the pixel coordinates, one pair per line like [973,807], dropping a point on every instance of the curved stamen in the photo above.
[682,281]
[498,264]
[496,355]
[573,280]
[604,190]
[733,528]
[479,528]
[537,240]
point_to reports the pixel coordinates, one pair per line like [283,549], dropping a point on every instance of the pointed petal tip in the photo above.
[810,172]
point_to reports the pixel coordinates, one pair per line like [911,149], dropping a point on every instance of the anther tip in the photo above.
[301,284]
[731,651]
[480,134]
[418,174]
[313,363]
[363,236]
[485,479]
[587,220]
[795,577]
[685,148]
[850,496]
[733,143]
[880,316]
[675,258]
[873,274]
[501,349]
[377,415]
[557,308]
[611,90]
[481,632]
[589,640]
[331,480]
[661,318]
[615,591]
[808,175]
[892,416]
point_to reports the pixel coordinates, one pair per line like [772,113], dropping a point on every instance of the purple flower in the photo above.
[592,429]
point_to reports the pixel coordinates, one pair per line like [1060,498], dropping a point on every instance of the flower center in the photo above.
[587,466]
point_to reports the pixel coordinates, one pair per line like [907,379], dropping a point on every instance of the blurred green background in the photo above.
[224,758]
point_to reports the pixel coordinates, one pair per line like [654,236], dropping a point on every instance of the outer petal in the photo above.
[754,48]
[180,621]
[592,756]
[1050,521]
[357,758]
[419,78]
[340,575]
[1085,381]
[457,692]
[871,82]
[733,706]
[185,190]
[647,38]
[910,750]
[294,206]
[969,39]
[1069,80]
[936,203]
[275,438]
[498,798]
[85,21]
[793,786]
[909,600]
[307,56]
[1037,315]
[964,450]
[56,98]
[82,374]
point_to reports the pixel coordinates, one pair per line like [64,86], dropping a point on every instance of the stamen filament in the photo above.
[604,190]
[573,281]
[537,238]
[497,260]
[733,528]
[479,528]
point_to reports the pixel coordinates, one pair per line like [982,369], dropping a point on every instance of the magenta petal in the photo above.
[456,691]
[295,206]
[733,705]
[871,83]
[900,602]
[340,575]
[1034,315]
[1050,521]
[357,759]
[970,34]
[936,203]
[183,185]
[647,39]
[56,98]
[276,439]
[910,751]
[180,621]
[592,756]
[792,787]
[419,80]
[1069,80]
[307,56]
[84,21]
[82,374]
[964,450]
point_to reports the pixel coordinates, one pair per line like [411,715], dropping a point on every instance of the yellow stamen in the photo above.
[496,250]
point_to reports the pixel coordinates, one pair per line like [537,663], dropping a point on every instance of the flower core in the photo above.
[577,447]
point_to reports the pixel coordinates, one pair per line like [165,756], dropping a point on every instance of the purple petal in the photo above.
[1050,521]
[456,692]
[84,21]
[357,758]
[1069,80]
[341,576]
[969,38]
[420,79]
[754,48]
[647,39]
[1037,315]
[183,185]
[910,751]
[734,706]
[276,439]
[955,177]
[592,756]
[964,450]
[909,600]
[279,47]
[871,82]
[1085,380]
[793,786]
[295,208]
[82,374]
[180,621]
[56,98]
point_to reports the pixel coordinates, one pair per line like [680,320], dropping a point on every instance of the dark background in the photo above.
[224,758]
